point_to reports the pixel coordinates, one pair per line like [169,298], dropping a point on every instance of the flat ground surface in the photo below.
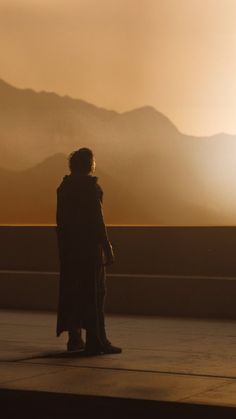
[165,359]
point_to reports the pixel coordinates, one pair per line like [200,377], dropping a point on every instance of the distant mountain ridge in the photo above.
[18,96]
[29,197]
[36,125]
[151,172]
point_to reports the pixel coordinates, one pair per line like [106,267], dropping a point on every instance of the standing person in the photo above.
[84,251]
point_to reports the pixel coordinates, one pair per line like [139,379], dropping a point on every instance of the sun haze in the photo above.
[176,55]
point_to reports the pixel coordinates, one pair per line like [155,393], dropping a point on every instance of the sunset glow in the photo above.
[176,55]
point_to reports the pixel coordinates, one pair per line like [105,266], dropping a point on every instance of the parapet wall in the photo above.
[168,271]
[206,251]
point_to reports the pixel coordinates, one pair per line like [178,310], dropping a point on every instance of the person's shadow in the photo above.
[57,354]
[64,354]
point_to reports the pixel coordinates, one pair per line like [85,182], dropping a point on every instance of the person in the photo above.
[84,253]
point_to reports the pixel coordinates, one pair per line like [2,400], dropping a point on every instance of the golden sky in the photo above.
[176,55]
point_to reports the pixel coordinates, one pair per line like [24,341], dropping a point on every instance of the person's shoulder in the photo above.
[63,183]
[93,179]
[95,186]
[94,182]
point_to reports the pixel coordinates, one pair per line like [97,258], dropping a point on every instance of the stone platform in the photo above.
[170,367]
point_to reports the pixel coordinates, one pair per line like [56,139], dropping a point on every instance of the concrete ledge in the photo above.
[165,295]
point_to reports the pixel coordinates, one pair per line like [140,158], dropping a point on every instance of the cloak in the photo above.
[82,238]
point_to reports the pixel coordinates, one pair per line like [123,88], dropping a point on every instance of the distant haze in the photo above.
[150,171]
[178,56]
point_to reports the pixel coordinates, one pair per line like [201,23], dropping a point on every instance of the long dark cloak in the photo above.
[82,236]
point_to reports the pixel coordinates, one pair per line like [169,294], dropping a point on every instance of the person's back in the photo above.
[75,207]
[83,249]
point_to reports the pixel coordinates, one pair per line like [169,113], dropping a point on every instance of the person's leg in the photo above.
[96,338]
[101,304]
[94,334]
[108,348]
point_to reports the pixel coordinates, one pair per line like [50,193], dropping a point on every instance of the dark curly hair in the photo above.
[81,161]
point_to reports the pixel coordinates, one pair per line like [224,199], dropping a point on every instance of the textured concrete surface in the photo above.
[164,359]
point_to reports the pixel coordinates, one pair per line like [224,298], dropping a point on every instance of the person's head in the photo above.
[82,161]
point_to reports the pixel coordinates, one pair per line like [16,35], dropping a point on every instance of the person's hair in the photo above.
[81,161]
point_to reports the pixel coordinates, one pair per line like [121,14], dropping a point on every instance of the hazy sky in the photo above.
[176,55]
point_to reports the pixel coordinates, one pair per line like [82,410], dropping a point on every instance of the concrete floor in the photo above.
[164,359]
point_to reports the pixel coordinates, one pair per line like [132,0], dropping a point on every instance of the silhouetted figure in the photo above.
[84,250]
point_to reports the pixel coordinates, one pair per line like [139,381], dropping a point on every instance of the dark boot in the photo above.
[94,345]
[75,342]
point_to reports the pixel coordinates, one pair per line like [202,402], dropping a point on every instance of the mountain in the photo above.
[29,197]
[36,125]
[151,173]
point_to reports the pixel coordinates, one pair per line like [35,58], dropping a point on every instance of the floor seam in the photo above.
[129,370]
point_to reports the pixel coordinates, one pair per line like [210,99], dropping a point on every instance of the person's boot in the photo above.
[95,346]
[102,349]
[108,348]
[75,342]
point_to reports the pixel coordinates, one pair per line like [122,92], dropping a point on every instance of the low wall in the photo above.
[178,271]
[208,251]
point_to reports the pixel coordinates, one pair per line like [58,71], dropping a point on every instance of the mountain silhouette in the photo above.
[151,172]
[29,197]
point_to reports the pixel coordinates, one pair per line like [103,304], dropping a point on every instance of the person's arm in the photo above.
[101,230]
